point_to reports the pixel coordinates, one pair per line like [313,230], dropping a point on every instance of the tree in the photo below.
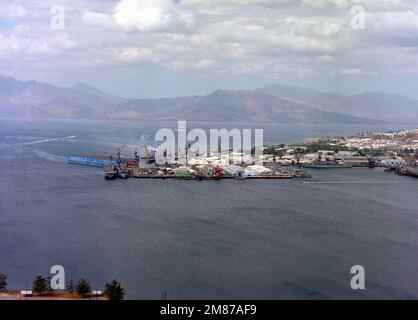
[3,282]
[114,291]
[40,285]
[48,285]
[83,288]
[70,286]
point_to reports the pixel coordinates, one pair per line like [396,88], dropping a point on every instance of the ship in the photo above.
[407,170]
[123,171]
[111,171]
[149,156]
[326,165]
[372,163]
[95,160]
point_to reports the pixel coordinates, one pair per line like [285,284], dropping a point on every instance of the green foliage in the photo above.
[83,288]
[314,147]
[300,150]
[70,286]
[3,282]
[273,151]
[40,285]
[48,285]
[114,291]
[369,152]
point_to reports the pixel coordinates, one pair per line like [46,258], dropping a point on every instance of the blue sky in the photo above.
[161,48]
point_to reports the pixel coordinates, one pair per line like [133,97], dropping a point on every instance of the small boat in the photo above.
[123,171]
[111,171]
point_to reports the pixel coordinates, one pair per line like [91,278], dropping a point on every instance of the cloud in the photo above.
[349,72]
[9,45]
[262,38]
[325,58]
[340,4]
[99,19]
[143,16]
[134,54]
[268,3]
[399,28]
[13,11]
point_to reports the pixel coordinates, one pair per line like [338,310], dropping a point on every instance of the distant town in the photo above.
[395,150]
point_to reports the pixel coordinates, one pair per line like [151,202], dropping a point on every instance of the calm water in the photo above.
[210,239]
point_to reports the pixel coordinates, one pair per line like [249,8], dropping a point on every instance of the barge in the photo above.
[94,160]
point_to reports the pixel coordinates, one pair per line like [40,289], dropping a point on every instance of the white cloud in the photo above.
[134,54]
[143,16]
[340,4]
[350,72]
[325,58]
[400,28]
[9,45]
[13,10]
[99,19]
[18,11]
[264,38]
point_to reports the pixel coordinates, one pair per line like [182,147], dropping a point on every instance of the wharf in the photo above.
[123,168]
[201,178]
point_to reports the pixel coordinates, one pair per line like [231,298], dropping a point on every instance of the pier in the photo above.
[116,167]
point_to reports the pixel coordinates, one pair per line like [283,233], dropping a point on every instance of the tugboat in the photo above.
[123,171]
[372,163]
[111,171]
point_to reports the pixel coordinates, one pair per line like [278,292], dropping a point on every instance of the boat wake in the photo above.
[48,140]
[50,157]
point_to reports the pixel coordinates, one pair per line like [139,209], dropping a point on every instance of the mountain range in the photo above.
[272,103]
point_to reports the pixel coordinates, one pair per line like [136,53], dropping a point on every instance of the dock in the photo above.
[202,178]
[116,167]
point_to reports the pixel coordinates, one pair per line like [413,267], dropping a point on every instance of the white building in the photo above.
[256,170]
[345,154]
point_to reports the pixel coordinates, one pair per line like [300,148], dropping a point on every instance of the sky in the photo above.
[171,48]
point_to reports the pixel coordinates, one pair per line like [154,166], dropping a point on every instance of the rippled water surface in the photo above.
[209,239]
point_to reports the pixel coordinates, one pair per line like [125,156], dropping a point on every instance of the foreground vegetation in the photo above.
[41,287]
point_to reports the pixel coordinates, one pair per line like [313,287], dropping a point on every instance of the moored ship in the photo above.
[95,160]
[123,171]
[326,165]
[111,171]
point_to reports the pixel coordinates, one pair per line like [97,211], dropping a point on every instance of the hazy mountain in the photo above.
[372,105]
[273,103]
[37,99]
[251,106]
